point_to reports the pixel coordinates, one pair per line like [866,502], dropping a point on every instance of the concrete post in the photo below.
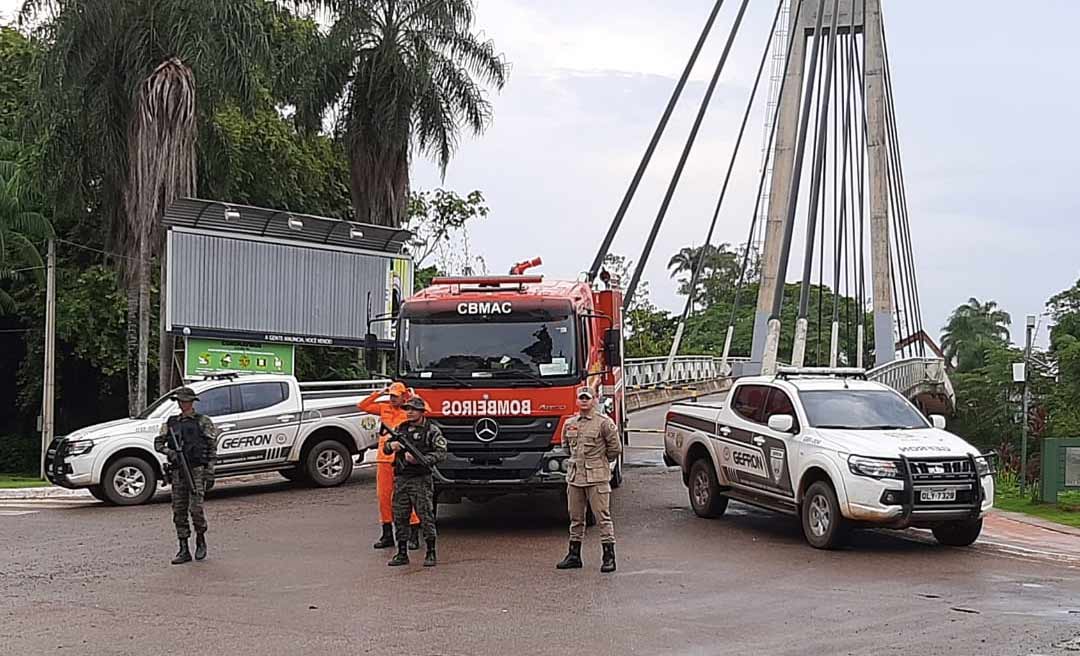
[783,161]
[880,258]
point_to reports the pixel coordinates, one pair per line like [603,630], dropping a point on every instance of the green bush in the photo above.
[19,454]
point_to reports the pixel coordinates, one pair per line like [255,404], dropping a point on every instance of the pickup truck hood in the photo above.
[118,428]
[920,443]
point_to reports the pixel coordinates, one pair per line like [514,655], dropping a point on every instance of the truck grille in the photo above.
[515,434]
[943,470]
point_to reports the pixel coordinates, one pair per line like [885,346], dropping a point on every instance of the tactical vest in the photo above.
[195,443]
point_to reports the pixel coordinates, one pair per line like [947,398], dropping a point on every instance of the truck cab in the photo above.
[499,359]
[834,449]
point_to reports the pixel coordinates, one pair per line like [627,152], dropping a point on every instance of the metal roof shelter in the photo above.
[261,275]
[242,219]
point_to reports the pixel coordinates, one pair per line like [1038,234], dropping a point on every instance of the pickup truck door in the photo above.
[263,431]
[755,457]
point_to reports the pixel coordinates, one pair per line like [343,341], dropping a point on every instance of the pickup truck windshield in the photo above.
[479,349]
[860,410]
[145,414]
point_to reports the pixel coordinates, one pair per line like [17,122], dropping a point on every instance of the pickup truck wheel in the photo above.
[616,474]
[129,481]
[705,497]
[958,534]
[822,524]
[328,464]
[98,492]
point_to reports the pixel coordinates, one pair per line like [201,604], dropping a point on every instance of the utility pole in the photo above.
[49,386]
[1024,420]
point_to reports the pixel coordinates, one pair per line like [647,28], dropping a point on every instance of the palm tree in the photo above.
[20,226]
[411,74]
[971,329]
[715,261]
[121,99]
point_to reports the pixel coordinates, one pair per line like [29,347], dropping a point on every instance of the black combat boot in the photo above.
[387,539]
[184,555]
[402,555]
[429,559]
[609,558]
[573,557]
[200,546]
[414,538]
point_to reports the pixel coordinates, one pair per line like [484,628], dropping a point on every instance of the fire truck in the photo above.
[498,360]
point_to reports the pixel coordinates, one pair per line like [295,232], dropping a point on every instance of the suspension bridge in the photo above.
[831,189]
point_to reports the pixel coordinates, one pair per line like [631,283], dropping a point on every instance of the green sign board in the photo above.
[213,356]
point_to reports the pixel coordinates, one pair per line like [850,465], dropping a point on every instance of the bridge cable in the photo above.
[859,62]
[598,262]
[794,33]
[821,221]
[815,186]
[841,219]
[691,138]
[700,264]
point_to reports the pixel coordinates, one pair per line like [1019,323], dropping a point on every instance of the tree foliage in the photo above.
[973,328]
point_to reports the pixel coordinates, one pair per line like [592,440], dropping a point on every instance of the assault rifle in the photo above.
[400,437]
[178,446]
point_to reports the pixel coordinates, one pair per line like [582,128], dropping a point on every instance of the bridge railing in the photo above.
[685,369]
[908,375]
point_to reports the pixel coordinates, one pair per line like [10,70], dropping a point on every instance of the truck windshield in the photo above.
[523,349]
[860,410]
[145,414]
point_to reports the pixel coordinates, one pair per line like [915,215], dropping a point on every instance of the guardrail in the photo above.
[685,369]
[908,375]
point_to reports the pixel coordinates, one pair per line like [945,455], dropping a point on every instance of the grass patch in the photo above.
[1067,510]
[8,481]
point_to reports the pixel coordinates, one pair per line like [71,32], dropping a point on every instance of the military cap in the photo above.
[416,403]
[185,394]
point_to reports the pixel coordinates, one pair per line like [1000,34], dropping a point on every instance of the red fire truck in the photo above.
[499,360]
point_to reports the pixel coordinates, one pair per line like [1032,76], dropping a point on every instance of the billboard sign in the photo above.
[204,357]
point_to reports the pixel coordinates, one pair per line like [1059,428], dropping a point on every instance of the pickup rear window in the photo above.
[257,396]
[860,410]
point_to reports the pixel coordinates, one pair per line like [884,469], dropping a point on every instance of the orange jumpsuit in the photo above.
[384,464]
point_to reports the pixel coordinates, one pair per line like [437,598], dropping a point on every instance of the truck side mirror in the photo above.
[613,347]
[781,423]
[371,356]
[938,421]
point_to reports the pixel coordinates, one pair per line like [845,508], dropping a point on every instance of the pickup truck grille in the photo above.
[932,470]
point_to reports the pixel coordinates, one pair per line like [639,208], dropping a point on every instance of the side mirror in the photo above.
[938,421]
[781,423]
[371,355]
[613,347]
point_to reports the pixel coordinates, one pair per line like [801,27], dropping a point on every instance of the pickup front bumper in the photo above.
[63,470]
[932,491]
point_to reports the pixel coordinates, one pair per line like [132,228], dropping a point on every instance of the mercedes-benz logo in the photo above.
[486,429]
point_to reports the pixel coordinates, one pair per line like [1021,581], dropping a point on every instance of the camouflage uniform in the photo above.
[414,487]
[201,454]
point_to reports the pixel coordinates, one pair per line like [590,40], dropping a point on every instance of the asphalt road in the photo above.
[292,571]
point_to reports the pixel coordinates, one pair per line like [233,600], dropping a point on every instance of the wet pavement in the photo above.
[292,571]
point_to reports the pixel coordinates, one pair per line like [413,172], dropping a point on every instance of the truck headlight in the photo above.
[79,447]
[874,467]
[984,465]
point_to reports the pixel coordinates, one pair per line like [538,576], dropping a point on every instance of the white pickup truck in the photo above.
[835,450]
[308,431]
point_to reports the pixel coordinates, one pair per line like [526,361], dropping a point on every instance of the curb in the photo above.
[1021,518]
[49,492]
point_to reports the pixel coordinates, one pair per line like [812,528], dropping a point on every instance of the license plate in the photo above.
[937,495]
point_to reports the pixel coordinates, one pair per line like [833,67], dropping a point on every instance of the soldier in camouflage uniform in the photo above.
[198,437]
[414,487]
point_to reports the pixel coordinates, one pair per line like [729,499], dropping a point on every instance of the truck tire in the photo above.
[616,474]
[704,490]
[823,525]
[958,534]
[328,464]
[98,492]
[129,481]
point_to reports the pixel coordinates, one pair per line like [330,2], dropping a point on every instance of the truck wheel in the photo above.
[822,524]
[98,492]
[129,481]
[958,534]
[616,474]
[705,497]
[328,464]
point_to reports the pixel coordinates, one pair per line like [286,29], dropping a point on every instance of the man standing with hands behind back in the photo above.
[592,440]
[392,414]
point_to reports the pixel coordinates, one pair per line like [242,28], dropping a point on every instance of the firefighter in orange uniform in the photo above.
[392,414]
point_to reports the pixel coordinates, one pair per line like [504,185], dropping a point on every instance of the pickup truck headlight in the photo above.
[984,465]
[79,447]
[874,467]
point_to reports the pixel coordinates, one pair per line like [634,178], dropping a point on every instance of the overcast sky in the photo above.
[984,93]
